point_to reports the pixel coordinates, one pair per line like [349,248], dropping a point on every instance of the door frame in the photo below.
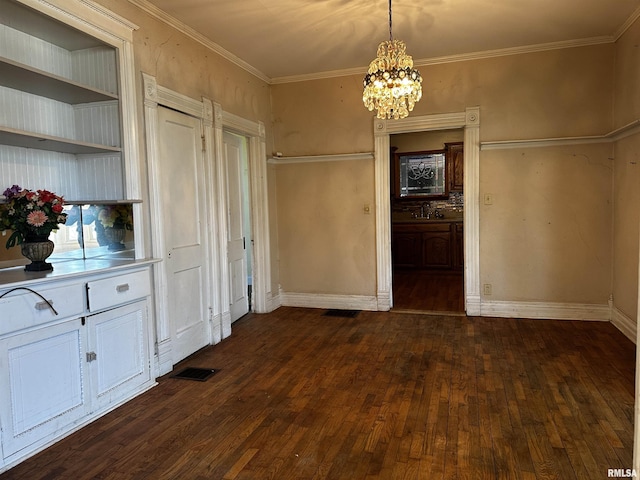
[469,120]
[155,96]
[262,298]
[214,121]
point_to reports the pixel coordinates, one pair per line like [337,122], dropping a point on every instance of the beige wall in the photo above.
[626,200]
[327,241]
[547,236]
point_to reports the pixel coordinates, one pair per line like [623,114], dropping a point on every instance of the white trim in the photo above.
[198,37]
[318,300]
[464,57]
[545,310]
[469,120]
[624,323]
[340,157]
[256,134]
[629,129]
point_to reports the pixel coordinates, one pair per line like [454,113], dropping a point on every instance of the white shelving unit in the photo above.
[63,124]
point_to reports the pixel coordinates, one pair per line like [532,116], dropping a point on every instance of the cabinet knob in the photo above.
[122,288]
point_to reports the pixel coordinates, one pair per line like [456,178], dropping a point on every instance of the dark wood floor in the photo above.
[382,396]
[428,290]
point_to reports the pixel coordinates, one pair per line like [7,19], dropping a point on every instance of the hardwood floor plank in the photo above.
[385,395]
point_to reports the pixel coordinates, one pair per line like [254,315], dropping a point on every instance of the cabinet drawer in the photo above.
[109,292]
[23,309]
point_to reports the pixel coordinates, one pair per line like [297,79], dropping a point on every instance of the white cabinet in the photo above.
[41,384]
[117,353]
[58,372]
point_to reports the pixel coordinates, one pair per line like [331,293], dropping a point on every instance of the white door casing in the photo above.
[236,236]
[469,120]
[208,301]
[214,119]
[262,300]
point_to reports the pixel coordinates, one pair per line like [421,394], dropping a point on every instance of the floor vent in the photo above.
[192,373]
[341,313]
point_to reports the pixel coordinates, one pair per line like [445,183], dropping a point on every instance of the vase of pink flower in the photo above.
[32,216]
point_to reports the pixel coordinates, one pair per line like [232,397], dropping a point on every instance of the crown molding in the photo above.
[480,55]
[190,32]
[464,57]
[625,26]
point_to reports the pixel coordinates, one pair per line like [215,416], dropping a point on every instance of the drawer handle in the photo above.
[45,305]
[34,292]
[122,288]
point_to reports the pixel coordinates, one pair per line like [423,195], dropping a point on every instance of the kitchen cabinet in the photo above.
[407,249]
[435,244]
[65,361]
[455,165]
[458,245]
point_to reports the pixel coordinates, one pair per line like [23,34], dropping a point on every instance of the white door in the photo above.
[237,241]
[181,172]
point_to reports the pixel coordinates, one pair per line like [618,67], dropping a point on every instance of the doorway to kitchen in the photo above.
[427,211]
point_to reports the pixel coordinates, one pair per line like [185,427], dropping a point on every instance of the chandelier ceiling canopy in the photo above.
[392,86]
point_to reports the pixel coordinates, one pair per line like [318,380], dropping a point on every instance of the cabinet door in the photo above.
[42,388]
[117,352]
[407,249]
[458,245]
[436,249]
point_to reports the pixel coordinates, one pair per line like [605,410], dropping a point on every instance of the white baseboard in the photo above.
[542,310]
[625,324]
[322,300]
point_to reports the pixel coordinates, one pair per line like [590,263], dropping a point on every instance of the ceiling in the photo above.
[284,40]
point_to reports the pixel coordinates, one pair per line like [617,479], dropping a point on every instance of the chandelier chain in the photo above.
[390,23]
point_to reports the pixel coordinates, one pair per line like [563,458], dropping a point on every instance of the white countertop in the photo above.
[17,277]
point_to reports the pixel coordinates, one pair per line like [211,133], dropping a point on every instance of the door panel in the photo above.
[181,182]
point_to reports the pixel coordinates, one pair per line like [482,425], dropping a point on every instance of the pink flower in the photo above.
[37,218]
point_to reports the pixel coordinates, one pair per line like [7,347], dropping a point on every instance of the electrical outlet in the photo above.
[488,199]
[487,288]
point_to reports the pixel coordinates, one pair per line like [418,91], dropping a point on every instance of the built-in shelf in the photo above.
[21,138]
[99,202]
[38,82]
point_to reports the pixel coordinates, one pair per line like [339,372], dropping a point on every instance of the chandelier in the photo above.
[392,86]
